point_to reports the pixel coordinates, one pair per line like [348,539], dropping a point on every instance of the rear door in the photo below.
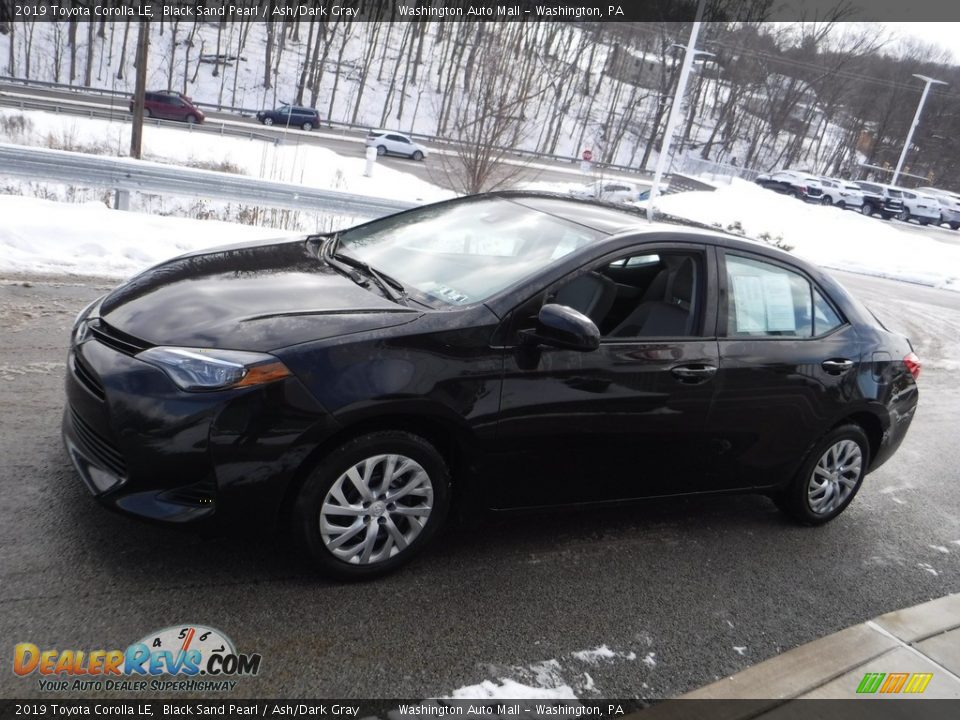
[788,369]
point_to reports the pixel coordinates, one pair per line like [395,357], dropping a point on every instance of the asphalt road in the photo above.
[679,591]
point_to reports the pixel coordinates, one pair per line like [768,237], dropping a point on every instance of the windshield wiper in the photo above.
[327,256]
[350,265]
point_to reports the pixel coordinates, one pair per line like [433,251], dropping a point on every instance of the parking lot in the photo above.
[646,601]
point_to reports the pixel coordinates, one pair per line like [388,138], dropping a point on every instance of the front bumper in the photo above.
[144,447]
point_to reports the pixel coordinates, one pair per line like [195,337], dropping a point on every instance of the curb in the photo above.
[924,638]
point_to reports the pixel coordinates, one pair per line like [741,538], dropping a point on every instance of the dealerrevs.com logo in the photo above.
[198,658]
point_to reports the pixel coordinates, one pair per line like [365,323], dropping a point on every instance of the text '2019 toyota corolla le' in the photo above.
[504,351]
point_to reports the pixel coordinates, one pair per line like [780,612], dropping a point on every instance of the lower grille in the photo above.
[87,377]
[98,446]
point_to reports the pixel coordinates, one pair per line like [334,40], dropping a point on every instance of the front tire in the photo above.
[903,216]
[191,119]
[372,504]
[417,155]
[866,209]
[268,121]
[825,200]
[829,478]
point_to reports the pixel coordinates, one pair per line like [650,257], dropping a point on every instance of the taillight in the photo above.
[913,364]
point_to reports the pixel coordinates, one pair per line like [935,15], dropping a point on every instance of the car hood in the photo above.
[254,296]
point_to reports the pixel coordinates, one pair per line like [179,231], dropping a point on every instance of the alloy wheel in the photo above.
[834,477]
[376,509]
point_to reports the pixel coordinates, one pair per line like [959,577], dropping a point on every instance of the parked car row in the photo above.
[172,105]
[926,205]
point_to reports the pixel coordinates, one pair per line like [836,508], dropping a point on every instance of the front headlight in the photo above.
[201,369]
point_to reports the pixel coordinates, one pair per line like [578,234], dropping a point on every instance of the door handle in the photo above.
[838,366]
[693,374]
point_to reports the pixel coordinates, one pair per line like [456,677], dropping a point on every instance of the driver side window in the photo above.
[638,295]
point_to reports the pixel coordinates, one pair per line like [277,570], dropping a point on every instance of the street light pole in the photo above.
[674,115]
[916,119]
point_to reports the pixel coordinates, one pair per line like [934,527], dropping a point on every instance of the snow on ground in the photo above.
[42,236]
[827,236]
[509,689]
[289,161]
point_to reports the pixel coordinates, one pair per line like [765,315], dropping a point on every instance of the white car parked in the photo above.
[949,205]
[393,143]
[841,193]
[922,207]
[608,190]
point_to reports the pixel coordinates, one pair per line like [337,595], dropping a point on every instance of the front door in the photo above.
[627,420]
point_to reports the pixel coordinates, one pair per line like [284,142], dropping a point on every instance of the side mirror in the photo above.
[563,327]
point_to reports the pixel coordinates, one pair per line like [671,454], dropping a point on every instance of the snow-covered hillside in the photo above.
[370,76]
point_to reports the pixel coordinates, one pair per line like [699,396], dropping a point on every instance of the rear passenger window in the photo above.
[766,300]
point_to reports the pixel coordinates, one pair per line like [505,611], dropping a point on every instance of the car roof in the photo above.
[612,219]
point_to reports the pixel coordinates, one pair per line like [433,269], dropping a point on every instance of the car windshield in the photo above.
[463,253]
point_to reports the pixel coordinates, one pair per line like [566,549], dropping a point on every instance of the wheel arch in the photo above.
[451,440]
[872,427]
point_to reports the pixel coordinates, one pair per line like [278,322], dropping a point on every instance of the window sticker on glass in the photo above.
[778,301]
[748,300]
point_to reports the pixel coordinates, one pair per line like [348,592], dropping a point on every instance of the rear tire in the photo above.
[356,522]
[147,113]
[381,150]
[954,226]
[829,477]
[307,126]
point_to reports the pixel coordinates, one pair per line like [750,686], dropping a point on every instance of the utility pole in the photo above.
[674,116]
[136,133]
[913,126]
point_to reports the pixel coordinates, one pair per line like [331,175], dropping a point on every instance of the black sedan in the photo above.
[505,351]
[291,116]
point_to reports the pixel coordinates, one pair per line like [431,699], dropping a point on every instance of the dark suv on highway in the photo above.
[291,116]
[170,105]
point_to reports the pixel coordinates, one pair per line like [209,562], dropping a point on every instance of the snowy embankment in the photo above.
[827,236]
[287,160]
[43,236]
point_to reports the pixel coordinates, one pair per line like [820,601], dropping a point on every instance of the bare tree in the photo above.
[490,121]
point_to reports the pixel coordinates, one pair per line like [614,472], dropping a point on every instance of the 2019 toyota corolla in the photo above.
[501,351]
